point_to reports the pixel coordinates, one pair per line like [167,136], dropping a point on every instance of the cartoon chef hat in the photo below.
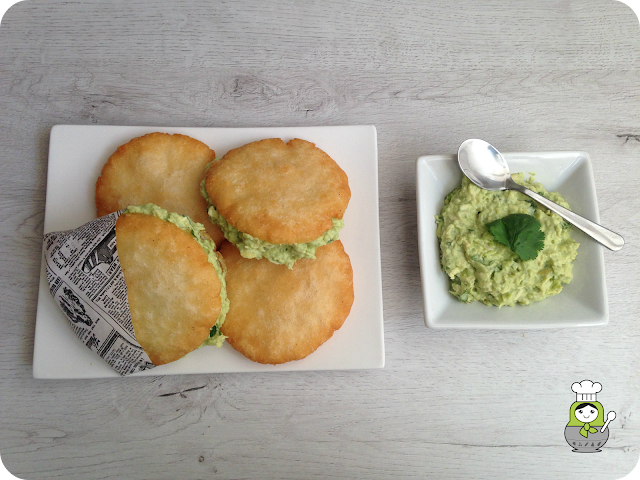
[586,390]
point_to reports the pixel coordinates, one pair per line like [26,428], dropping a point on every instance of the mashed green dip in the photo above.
[252,247]
[482,269]
[192,228]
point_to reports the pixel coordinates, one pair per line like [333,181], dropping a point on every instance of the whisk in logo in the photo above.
[587,429]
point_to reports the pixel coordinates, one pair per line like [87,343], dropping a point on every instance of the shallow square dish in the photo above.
[581,303]
[76,156]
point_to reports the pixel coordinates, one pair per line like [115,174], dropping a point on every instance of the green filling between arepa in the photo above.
[252,247]
[187,225]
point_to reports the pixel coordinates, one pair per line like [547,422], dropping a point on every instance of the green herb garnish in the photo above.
[520,232]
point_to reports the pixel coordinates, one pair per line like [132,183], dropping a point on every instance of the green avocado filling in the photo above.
[502,248]
[189,226]
[252,247]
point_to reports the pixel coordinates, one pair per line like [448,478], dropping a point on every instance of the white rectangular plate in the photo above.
[581,303]
[77,154]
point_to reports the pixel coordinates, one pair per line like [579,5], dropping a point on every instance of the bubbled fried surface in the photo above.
[278,315]
[158,168]
[173,290]
[284,193]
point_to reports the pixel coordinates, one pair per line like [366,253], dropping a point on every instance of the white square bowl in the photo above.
[581,303]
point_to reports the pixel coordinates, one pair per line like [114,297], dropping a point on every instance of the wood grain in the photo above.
[548,75]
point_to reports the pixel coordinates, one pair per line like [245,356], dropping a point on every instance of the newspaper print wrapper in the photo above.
[87,282]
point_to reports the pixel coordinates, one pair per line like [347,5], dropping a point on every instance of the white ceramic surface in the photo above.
[76,156]
[581,303]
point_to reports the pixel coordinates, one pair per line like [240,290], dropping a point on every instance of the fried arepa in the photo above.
[172,288]
[278,314]
[282,193]
[158,168]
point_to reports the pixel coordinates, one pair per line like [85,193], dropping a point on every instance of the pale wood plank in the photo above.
[448,405]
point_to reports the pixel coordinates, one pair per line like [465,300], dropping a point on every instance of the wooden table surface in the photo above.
[525,76]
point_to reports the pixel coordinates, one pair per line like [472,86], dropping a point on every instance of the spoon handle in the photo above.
[606,237]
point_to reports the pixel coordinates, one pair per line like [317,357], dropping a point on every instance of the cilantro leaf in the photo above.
[520,232]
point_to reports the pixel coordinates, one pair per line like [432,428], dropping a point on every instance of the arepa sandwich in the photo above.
[275,200]
[157,168]
[279,315]
[175,279]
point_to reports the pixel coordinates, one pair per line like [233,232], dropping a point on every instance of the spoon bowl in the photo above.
[485,166]
[473,158]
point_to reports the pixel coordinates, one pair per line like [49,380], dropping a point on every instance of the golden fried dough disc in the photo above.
[173,290]
[283,193]
[158,168]
[278,315]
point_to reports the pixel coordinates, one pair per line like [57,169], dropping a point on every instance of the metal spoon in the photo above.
[487,168]
[610,416]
